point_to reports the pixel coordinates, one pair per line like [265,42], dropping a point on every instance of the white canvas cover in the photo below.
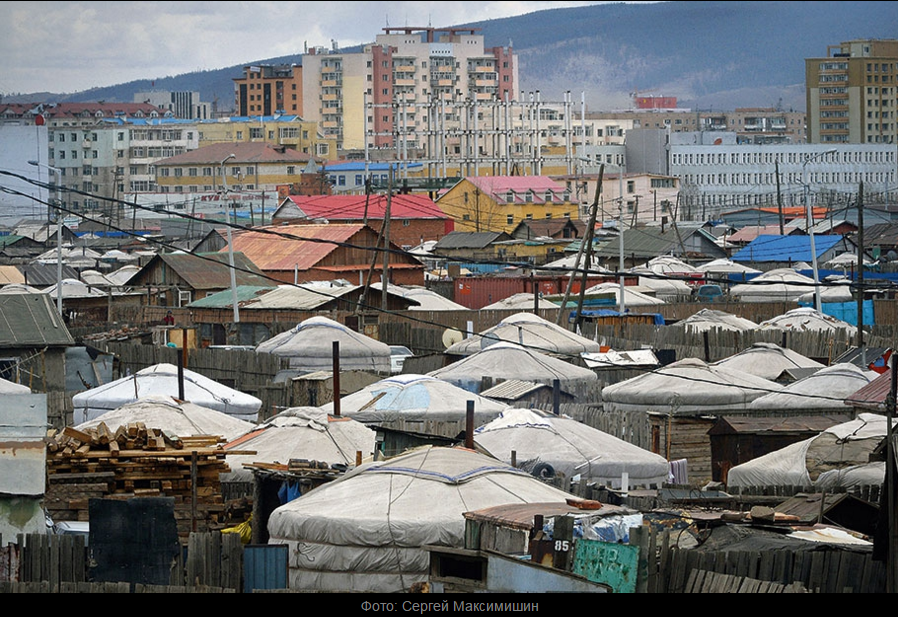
[687,387]
[8,387]
[808,320]
[767,360]
[528,330]
[519,302]
[826,389]
[782,285]
[838,457]
[571,448]
[504,361]
[300,433]
[414,397]
[709,319]
[310,347]
[162,380]
[176,418]
[631,298]
[726,266]
[364,531]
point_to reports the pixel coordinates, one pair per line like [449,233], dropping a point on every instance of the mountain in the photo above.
[711,55]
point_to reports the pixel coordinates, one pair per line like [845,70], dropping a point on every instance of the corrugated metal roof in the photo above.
[31,320]
[299,247]
[798,424]
[356,207]
[10,275]
[225,299]
[873,396]
[244,152]
[212,270]
[470,240]
[44,275]
[646,243]
[785,249]
[512,390]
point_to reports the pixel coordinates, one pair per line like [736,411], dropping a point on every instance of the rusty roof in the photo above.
[292,247]
[799,424]
[872,396]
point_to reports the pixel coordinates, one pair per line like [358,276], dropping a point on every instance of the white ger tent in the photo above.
[170,415]
[827,389]
[504,361]
[310,347]
[571,448]
[837,458]
[415,401]
[709,319]
[365,531]
[162,380]
[530,331]
[808,320]
[300,433]
[768,360]
[782,285]
[689,386]
[8,387]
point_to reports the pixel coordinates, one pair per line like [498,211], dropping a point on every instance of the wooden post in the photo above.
[469,426]
[556,397]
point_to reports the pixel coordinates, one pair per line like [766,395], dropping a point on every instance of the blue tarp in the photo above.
[785,249]
[659,319]
[847,312]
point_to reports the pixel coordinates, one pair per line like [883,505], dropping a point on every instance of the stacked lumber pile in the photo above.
[136,461]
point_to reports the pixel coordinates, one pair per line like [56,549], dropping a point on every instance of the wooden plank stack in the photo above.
[136,461]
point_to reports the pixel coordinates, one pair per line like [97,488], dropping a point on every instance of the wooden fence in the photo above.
[665,568]
[210,563]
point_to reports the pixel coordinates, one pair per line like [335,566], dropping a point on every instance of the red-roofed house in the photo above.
[414,219]
[307,253]
[500,203]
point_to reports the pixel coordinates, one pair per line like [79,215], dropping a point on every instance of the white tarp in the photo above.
[767,360]
[365,531]
[300,433]
[826,389]
[571,448]
[504,361]
[162,380]
[808,320]
[687,387]
[782,285]
[837,457]
[167,414]
[310,347]
[532,332]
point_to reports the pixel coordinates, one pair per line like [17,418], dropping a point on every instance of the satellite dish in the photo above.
[452,337]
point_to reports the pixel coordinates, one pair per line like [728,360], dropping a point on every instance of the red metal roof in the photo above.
[291,247]
[244,153]
[352,207]
[872,396]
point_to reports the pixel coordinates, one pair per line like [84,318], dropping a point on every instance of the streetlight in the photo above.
[58,173]
[818,302]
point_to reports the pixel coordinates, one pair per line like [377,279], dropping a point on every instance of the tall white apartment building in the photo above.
[367,99]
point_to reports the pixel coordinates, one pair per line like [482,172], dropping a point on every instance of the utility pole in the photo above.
[779,200]
[860,275]
[590,235]
[386,256]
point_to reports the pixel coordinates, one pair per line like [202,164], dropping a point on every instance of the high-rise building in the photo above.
[853,93]
[266,90]
[365,99]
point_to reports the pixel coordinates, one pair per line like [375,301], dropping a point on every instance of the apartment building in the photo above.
[266,90]
[280,130]
[184,105]
[366,99]
[853,93]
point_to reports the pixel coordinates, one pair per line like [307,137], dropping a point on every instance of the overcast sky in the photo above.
[65,47]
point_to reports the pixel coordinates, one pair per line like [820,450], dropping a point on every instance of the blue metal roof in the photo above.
[360,166]
[784,249]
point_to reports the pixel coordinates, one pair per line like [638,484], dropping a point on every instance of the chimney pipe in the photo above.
[469,426]
[337,378]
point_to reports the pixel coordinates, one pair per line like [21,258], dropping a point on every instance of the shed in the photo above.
[33,341]
[23,464]
[366,531]
[162,379]
[504,361]
[739,439]
[418,404]
[531,331]
[837,458]
[310,347]
[558,446]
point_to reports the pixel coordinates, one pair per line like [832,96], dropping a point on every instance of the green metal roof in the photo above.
[31,320]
